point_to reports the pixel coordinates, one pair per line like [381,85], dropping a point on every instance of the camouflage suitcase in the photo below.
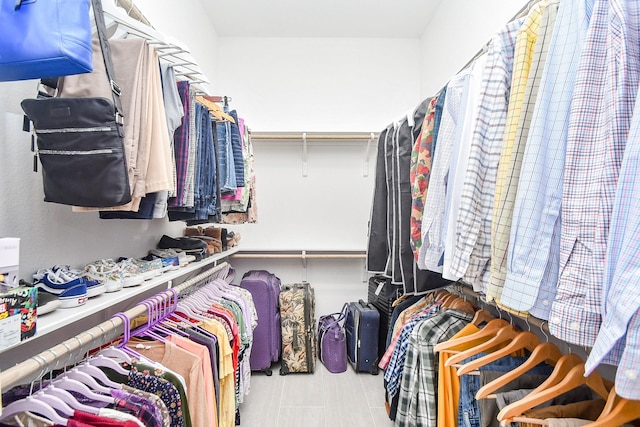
[297,316]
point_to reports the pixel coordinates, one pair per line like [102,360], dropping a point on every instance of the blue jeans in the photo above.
[236,146]
[228,183]
[468,408]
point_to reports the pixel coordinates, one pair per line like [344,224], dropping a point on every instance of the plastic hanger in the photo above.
[88,380]
[70,399]
[32,404]
[575,378]
[486,333]
[617,411]
[545,352]
[70,384]
[107,362]
[99,375]
[55,402]
[113,353]
[502,335]
[523,340]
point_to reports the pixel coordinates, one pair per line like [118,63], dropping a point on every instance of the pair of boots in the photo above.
[212,236]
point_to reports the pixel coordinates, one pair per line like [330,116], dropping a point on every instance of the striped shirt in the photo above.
[509,160]
[599,122]
[512,297]
[533,257]
[618,341]
[473,250]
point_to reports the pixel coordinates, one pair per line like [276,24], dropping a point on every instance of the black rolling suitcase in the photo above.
[382,293]
[361,326]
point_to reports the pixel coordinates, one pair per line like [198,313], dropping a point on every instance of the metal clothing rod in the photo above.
[534,321]
[300,255]
[521,12]
[65,353]
[310,136]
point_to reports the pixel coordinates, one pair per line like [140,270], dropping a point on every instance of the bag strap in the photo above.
[101,28]
[336,318]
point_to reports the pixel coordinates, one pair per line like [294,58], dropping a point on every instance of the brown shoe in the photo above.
[214,232]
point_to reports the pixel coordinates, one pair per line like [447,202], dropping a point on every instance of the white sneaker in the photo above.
[130,273]
[104,272]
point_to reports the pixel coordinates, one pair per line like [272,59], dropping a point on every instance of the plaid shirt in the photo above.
[601,111]
[533,257]
[418,391]
[459,160]
[509,157]
[618,340]
[473,251]
[401,335]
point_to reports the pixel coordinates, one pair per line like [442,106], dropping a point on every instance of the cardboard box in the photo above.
[10,260]
[18,314]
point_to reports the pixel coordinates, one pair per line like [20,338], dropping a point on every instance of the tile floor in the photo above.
[322,399]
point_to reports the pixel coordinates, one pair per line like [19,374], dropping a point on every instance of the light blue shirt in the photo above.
[533,255]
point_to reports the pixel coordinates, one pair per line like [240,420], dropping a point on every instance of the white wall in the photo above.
[319,84]
[312,84]
[455,33]
[316,85]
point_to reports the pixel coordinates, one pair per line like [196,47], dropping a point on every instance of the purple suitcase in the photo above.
[265,290]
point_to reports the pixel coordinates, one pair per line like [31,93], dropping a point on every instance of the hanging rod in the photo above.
[468,291]
[522,12]
[48,360]
[303,254]
[336,136]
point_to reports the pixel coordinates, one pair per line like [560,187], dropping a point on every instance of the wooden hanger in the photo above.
[503,335]
[523,340]
[482,316]
[486,333]
[545,352]
[560,370]
[447,300]
[575,378]
[617,411]
[462,305]
[215,109]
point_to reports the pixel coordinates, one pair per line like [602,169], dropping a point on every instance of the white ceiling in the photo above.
[321,18]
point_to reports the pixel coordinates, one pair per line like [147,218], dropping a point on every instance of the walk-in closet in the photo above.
[319,214]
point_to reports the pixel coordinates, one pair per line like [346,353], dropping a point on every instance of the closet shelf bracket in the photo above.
[304,265]
[305,168]
[365,170]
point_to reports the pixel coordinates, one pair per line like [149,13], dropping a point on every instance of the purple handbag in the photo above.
[332,342]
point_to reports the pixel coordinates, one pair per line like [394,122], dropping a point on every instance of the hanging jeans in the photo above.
[228,182]
[236,146]
[469,413]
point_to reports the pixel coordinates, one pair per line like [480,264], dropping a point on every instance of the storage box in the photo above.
[10,259]
[18,309]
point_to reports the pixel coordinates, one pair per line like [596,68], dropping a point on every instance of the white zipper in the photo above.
[74,153]
[74,130]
